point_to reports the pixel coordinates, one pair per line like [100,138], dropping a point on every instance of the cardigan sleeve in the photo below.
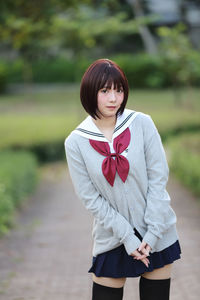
[157,198]
[100,208]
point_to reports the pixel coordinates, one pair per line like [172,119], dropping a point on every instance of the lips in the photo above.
[111,107]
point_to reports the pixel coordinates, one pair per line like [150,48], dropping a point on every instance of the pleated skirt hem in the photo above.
[117,263]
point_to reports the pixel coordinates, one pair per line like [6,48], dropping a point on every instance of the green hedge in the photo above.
[142,70]
[173,123]
[43,135]
[184,159]
[3,77]
[18,177]
[47,70]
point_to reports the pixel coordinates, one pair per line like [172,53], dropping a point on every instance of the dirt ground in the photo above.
[48,254]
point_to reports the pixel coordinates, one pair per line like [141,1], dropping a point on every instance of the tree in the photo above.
[25,26]
[147,38]
[87,29]
[180,60]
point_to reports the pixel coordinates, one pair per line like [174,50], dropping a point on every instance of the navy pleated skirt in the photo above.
[117,263]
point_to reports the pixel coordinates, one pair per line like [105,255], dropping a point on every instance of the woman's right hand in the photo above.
[141,257]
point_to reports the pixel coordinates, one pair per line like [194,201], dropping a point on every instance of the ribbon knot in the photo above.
[120,164]
[113,154]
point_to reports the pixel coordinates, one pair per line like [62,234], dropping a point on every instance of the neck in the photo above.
[106,123]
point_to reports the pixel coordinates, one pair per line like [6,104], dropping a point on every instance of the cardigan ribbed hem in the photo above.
[150,239]
[131,243]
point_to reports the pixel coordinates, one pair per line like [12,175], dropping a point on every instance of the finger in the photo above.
[136,253]
[145,252]
[143,244]
[146,262]
[148,248]
[140,257]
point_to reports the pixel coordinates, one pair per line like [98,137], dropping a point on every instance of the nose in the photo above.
[112,96]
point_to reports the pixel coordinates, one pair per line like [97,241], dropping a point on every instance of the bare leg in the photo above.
[107,288]
[161,273]
[110,282]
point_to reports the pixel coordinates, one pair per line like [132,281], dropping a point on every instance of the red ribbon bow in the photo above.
[120,163]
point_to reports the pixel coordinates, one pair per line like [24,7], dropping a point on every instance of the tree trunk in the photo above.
[147,38]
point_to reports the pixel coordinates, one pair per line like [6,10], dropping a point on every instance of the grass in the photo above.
[45,112]
[50,99]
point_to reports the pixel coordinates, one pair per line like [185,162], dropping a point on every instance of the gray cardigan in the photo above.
[142,201]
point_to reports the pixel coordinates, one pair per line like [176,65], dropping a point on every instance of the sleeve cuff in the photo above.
[150,239]
[131,243]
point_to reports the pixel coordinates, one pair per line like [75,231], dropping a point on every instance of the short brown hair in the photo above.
[99,73]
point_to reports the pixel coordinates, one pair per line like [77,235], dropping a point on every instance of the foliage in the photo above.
[3,78]
[25,24]
[59,70]
[18,178]
[180,60]
[87,29]
[142,70]
[185,161]
[44,29]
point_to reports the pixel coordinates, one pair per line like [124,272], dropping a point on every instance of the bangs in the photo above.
[111,76]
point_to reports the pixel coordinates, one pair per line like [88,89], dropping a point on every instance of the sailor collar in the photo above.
[89,130]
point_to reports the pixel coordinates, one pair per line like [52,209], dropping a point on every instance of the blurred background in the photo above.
[45,47]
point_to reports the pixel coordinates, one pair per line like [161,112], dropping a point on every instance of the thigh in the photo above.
[108,281]
[160,273]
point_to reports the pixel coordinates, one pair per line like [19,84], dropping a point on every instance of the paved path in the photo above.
[48,254]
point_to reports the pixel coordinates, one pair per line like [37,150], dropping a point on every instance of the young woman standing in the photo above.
[119,171]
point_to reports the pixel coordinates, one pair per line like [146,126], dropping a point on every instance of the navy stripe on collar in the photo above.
[124,122]
[90,132]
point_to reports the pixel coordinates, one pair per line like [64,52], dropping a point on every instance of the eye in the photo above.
[104,91]
[120,90]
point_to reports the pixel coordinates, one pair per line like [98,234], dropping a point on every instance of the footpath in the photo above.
[48,254]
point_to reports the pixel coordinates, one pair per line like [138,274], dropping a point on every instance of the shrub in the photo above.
[18,178]
[55,70]
[185,161]
[3,78]
[142,70]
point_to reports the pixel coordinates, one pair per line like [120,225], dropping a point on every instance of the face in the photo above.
[109,101]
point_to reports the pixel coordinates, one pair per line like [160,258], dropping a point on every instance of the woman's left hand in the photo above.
[144,249]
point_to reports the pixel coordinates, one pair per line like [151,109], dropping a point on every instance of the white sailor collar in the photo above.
[89,130]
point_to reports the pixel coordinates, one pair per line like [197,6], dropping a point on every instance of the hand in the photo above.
[144,248]
[137,255]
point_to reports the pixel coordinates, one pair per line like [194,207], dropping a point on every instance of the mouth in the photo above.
[111,107]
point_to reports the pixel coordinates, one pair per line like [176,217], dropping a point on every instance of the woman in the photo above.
[119,170]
